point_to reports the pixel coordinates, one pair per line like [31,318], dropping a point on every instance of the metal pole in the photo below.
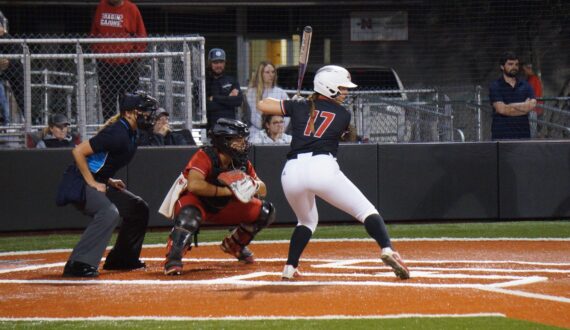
[478,89]
[188,86]
[68,104]
[203,80]
[168,86]
[81,107]
[27,90]
[46,97]
[154,73]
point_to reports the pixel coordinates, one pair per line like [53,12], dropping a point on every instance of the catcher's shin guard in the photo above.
[173,261]
[186,225]
[236,245]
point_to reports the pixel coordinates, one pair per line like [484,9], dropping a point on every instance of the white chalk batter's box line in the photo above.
[502,281]
[355,265]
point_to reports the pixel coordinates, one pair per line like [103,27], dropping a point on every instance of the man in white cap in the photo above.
[222,91]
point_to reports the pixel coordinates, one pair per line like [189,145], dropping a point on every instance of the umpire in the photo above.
[90,186]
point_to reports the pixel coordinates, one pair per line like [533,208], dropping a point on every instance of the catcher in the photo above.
[218,185]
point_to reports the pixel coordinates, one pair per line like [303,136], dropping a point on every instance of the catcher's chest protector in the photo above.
[214,204]
[216,167]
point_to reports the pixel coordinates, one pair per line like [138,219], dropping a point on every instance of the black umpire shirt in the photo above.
[113,147]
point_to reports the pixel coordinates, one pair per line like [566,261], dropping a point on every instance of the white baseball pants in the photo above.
[308,176]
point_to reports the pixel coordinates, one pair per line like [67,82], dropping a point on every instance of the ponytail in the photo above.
[110,121]
[311,99]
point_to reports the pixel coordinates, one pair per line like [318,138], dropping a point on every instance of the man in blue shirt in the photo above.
[223,92]
[512,99]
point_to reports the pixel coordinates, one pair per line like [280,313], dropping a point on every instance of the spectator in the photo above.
[56,134]
[222,91]
[162,135]
[117,19]
[262,86]
[512,99]
[12,73]
[273,132]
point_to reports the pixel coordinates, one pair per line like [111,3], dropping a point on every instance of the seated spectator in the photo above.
[273,131]
[161,135]
[56,135]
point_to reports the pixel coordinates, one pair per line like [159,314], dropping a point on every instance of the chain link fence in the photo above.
[83,77]
[67,75]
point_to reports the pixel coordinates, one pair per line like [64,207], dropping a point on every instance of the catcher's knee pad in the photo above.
[266,216]
[186,224]
[188,219]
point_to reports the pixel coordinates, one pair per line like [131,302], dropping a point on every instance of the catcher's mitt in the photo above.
[242,185]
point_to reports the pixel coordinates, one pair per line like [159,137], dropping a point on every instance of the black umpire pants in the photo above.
[106,211]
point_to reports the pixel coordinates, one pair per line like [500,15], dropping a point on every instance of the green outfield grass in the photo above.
[525,229]
[472,323]
[519,229]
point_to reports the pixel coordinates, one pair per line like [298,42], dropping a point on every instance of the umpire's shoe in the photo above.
[111,264]
[79,269]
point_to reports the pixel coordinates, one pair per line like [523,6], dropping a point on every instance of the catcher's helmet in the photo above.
[329,78]
[222,134]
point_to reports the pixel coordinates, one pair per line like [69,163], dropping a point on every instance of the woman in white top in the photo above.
[273,132]
[262,86]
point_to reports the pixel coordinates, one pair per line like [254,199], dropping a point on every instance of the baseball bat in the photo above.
[304,55]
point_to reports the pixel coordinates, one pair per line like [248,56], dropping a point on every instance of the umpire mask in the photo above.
[144,104]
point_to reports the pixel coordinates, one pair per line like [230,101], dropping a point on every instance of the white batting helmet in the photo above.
[329,78]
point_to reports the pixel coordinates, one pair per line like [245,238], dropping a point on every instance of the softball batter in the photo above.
[311,169]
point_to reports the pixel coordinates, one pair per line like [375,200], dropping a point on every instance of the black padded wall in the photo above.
[152,172]
[269,162]
[438,181]
[457,181]
[29,185]
[534,179]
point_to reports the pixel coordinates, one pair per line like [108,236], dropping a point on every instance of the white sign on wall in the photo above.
[375,26]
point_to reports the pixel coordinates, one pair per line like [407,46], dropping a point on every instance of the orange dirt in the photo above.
[448,277]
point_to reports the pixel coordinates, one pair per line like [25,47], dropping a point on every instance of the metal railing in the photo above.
[62,76]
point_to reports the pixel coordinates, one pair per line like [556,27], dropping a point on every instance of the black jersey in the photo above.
[113,148]
[331,121]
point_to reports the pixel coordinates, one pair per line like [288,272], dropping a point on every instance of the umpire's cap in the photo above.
[139,100]
[216,54]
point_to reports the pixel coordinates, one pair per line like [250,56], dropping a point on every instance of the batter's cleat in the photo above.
[173,267]
[244,255]
[392,258]
[79,269]
[122,265]
[289,273]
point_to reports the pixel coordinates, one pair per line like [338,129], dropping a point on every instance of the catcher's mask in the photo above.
[222,134]
[142,102]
